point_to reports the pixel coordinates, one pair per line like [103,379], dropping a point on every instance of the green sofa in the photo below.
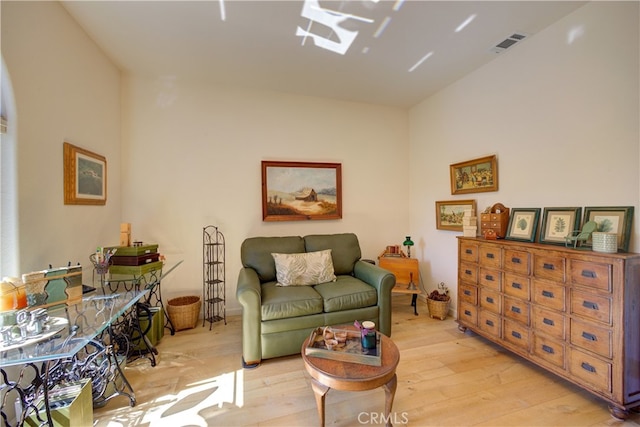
[277,319]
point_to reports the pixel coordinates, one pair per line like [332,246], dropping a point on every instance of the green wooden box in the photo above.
[155,333]
[71,405]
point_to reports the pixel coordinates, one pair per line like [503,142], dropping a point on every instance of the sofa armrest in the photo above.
[383,281]
[249,295]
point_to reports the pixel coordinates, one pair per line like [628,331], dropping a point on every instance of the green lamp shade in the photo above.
[408,242]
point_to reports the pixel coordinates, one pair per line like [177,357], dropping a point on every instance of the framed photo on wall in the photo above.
[523,224]
[449,213]
[85,176]
[557,223]
[296,191]
[474,176]
[612,219]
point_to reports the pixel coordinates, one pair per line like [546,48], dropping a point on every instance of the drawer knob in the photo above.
[489,322]
[588,273]
[516,285]
[467,272]
[467,292]
[588,336]
[588,367]
[468,251]
[547,349]
[515,260]
[489,277]
[515,309]
[490,256]
[548,266]
[547,294]
[467,313]
[490,300]
[516,334]
[590,305]
[548,322]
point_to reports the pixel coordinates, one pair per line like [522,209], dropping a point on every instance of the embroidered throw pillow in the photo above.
[304,269]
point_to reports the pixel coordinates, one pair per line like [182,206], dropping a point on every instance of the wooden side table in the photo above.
[335,374]
[406,271]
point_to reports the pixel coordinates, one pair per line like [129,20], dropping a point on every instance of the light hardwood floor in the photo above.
[445,378]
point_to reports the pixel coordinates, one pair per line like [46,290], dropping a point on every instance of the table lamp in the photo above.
[408,243]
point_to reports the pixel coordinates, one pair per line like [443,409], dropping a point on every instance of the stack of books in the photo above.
[469,223]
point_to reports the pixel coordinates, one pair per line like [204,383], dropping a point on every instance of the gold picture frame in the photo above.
[474,176]
[85,176]
[449,213]
[297,191]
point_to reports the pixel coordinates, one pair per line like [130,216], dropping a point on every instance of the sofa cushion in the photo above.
[280,302]
[345,249]
[303,269]
[346,293]
[255,253]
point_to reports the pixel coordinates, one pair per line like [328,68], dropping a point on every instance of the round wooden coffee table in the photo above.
[347,376]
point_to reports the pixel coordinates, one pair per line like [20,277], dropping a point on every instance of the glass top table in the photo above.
[68,329]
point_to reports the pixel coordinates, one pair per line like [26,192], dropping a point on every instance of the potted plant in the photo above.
[438,302]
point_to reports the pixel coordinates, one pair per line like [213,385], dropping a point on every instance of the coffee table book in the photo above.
[351,351]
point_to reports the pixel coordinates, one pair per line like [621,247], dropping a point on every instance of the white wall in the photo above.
[561,113]
[65,90]
[192,157]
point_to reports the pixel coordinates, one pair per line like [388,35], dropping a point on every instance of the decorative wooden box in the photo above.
[494,224]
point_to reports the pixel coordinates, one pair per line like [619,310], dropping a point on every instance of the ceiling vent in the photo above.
[508,42]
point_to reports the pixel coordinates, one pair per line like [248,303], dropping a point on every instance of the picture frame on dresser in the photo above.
[523,224]
[557,223]
[611,219]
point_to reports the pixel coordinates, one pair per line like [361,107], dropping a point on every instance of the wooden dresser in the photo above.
[575,313]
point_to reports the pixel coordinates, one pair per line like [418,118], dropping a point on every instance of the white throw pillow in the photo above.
[304,269]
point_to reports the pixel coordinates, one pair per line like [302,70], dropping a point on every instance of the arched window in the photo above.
[8,179]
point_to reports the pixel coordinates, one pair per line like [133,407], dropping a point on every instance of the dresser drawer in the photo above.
[516,309]
[489,322]
[516,334]
[468,293]
[490,256]
[549,350]
[591,274]
[549,267]
[468,272]
[592,337]
[590,369]
[469,252]
[548,322]
[468,313]
[548,294]
[490,278]
[490,300]
[517,286]
[517,261]
[591,306]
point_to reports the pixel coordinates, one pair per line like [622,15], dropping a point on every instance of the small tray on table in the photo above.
[350,351]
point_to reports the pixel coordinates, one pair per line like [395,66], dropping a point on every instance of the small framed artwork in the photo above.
[85,176]
[449,213]
[523,224]
[612,219]
[474,176]
[557,223]
[295,191]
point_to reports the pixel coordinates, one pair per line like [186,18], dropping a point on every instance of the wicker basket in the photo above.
[438,309]
[184,312]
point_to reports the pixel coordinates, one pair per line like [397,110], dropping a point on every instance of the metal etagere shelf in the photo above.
[213,276]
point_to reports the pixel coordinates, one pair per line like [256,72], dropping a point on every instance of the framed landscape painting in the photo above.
[557,223]
[296,191]
[612,219]
[474,176]
[523,224]
[449,213]
[85,176]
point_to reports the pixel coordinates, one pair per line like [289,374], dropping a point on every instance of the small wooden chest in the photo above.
[494,224]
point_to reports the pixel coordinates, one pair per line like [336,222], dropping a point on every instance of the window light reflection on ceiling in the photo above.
[417,64]
[465,23]
[223,12]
